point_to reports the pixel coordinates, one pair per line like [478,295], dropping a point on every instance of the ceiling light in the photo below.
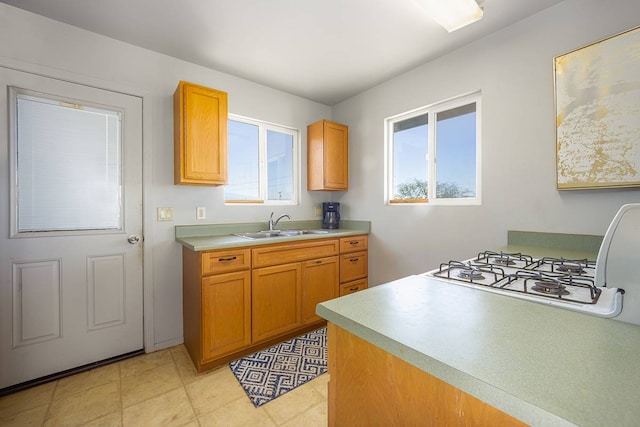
[452,14]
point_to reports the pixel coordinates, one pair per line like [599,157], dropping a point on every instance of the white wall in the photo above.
[514,70]
[33,43]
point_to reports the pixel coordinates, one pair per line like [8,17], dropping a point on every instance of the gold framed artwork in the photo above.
[597,98]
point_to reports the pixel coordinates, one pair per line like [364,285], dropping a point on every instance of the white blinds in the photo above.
[69,173]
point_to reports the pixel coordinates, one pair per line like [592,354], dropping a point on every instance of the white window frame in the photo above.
[432,110]
[263,128]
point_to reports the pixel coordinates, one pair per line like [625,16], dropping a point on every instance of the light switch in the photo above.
[201,212]
[165,214]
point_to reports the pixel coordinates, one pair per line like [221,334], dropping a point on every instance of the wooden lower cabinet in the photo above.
[369,386]
[275,300]
[240,300]
[226,314]
[319,283]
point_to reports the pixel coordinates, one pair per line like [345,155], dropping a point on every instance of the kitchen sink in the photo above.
[278,233]
[258,235]
[301,232]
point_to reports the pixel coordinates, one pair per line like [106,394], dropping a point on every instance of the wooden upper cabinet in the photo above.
[327,156]
[200,135]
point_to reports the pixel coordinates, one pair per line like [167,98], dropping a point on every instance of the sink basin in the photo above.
[301,232]
[278,233]
[258,234]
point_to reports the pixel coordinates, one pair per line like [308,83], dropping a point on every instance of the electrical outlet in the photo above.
[318,211]
[165,214]
[201,212]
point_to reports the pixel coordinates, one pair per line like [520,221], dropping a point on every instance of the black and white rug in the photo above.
[277,370]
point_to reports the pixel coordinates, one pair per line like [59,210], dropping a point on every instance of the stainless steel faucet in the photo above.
[272,223]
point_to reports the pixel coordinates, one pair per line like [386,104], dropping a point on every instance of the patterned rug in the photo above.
[272,372]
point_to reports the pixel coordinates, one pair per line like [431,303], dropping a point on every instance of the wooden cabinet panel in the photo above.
[275,300]
[226,314]
[327,156]
[403,395]
[292,252]
[200,135]
[336,156]
[354,286]
[353,266]
[353,244]
[319,283]
[217,262]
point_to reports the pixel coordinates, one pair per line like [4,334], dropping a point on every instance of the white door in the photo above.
[70,225]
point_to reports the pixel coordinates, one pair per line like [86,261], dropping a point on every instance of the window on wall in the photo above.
[433,154]
[263,160]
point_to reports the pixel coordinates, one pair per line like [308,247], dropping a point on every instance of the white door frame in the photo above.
[147,163]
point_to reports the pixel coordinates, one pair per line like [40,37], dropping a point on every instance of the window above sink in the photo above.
[263,163]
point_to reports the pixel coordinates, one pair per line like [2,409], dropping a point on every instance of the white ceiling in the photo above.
[322,50]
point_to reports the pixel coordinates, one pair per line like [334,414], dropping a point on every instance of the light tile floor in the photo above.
[160,389]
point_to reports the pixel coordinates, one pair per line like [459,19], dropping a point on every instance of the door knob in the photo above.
[133,239]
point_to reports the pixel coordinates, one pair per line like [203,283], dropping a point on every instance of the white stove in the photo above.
[592,287]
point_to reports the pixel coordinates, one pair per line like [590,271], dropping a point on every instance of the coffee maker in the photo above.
[330,215]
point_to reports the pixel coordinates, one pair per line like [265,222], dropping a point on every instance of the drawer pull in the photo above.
[319,261]
[227,259]
[354,259]
[354,242]
[354,288]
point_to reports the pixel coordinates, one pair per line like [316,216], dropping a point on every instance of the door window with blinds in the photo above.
[67,165]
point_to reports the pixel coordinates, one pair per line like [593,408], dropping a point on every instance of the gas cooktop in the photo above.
[565,283]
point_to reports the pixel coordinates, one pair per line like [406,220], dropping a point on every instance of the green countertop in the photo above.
[220,236]
[543,365]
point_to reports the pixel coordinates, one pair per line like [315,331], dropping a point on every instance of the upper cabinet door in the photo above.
[200,135]
[327,156]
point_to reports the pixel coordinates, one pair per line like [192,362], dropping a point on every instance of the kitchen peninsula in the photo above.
[434,353]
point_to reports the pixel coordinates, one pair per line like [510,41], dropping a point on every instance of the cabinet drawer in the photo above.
[286,253]
[353,266]
[352,244]
[224,261]
[355,286]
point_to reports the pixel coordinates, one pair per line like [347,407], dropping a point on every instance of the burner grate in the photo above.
[554,285]
[504,259]
[469,272]
[566,266]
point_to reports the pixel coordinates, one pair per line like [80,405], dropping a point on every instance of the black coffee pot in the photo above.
[330,215]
